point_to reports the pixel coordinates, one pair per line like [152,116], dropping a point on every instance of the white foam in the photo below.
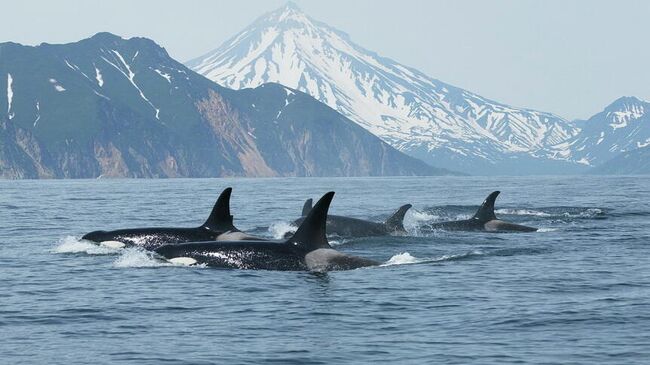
[337,242]
[591,212]
[542,230]
[530,212]
[135,257]
[406,258]
[413,218]
[279,229]
[416,215]
[71,244]
[401,259]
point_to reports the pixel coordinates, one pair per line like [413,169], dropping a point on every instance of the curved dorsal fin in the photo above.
[306,207]
[220,218]
[486,211]
[310,235]
[395,223]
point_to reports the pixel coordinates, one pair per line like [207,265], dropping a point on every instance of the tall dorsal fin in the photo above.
[220,218]
[310,235]
[486,211]
[306,207]
[395,223]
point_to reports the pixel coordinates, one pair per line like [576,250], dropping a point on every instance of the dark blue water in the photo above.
[578,292]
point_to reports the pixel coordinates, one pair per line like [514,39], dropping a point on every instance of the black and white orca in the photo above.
[483,220]
[353,227]
[219,225]
[307,249]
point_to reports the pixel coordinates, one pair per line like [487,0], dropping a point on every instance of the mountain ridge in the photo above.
[109,106]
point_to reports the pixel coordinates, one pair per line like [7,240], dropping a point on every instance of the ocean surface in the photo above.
[577,292]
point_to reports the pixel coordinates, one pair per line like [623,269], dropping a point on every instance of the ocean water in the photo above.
[577,292]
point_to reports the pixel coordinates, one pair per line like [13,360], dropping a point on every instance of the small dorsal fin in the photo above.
[310,235]
[306,207]
[220,218]
[395,223]
[486,211]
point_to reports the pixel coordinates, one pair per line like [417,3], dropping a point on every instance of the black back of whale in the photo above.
[307,249]
[483,220]
[219,222]
[354,227]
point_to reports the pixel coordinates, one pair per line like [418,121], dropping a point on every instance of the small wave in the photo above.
[581,213]
[543,230]
[278,230]
[591,212]
[401,259]
[528,212]
[406,258]
[136,257]
[336,242]
[71,244]
[556,212]
[456,257]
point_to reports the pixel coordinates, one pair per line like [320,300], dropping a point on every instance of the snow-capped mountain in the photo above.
[413,112]
[621,127]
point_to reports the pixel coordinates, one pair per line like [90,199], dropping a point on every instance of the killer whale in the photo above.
[219,224]
[483,220]
[307,249]
[354,227]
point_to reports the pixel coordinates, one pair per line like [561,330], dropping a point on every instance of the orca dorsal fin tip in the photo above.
[220,218]
[486,211]
[311,235]
[306,208]
[395,223]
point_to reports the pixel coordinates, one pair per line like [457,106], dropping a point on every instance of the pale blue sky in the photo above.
[568,57]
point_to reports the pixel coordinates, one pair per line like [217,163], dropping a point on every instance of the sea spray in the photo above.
[278,230]
[72,244]
[401,259]
[137,257]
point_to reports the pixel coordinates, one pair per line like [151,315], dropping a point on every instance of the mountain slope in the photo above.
[621,127]
[406,108]
[115,107]
[634,162]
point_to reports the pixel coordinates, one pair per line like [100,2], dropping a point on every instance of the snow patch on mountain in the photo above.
[57,86]
[164,75]
[38,113]
[98,77]
[10,95]
[131,78]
